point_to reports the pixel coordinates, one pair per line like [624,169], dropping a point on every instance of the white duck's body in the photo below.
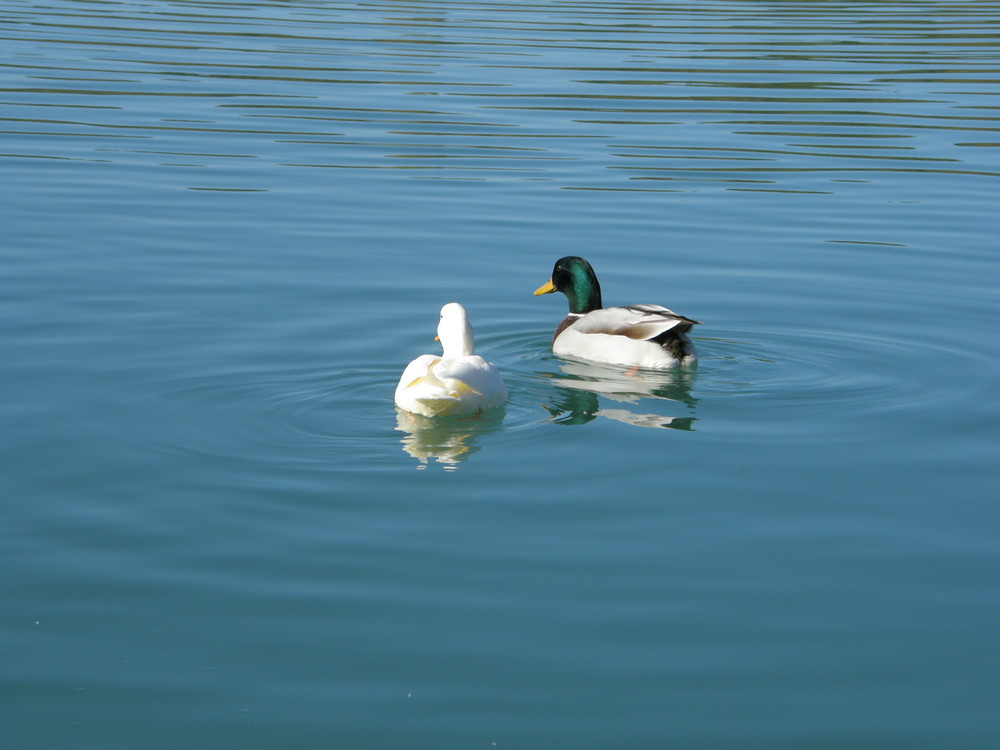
[646,336]
[457,382]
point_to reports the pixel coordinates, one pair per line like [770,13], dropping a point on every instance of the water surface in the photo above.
[230,225]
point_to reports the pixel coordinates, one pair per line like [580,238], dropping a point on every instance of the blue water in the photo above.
[228,226]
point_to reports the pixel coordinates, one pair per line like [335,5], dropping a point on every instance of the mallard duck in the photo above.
[648,336]
[457,382]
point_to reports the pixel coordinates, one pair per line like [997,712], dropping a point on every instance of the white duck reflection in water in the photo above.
[447,440]
[583,385]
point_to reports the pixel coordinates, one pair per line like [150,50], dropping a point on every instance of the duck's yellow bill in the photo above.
[547,288]
[437,338]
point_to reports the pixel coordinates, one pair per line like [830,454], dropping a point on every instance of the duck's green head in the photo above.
[574,277]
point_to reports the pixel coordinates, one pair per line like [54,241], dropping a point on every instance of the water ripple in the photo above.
[520,98]
[323,420]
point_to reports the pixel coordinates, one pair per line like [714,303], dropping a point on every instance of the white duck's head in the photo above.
[455,331]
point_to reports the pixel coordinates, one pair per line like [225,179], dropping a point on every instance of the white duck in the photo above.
[458,382]
[649,336]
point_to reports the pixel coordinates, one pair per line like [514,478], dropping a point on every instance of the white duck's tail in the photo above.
[441,397]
